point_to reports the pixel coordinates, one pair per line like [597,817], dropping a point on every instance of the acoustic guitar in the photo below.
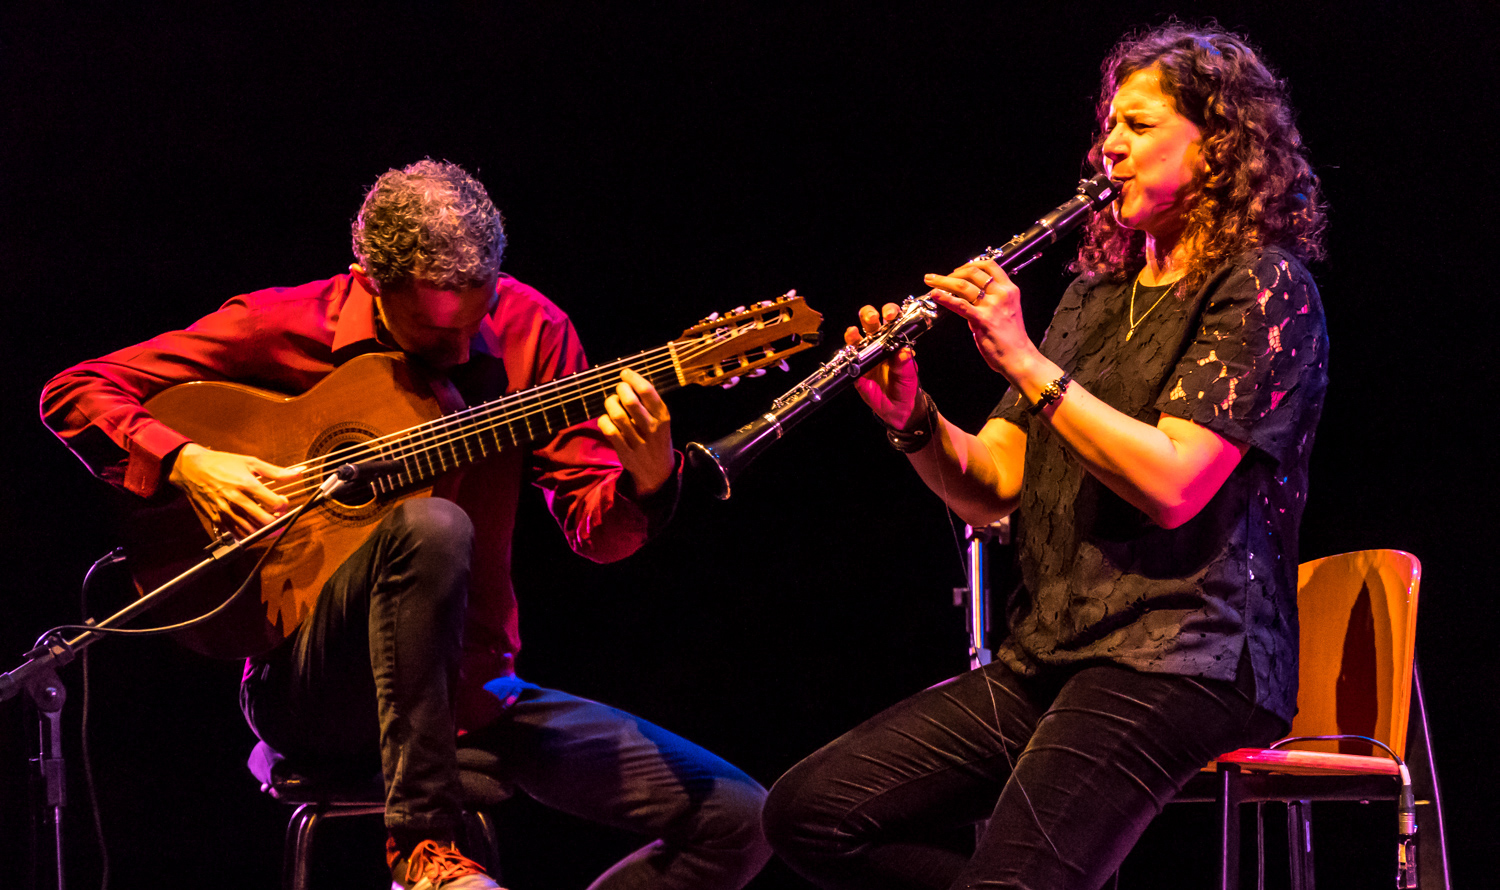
[381,407]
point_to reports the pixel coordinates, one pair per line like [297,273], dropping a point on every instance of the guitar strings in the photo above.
[425,438]
[438,433]
[442,433]
[464,424]
[428,436]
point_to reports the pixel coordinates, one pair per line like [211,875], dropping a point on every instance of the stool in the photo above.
[317,797]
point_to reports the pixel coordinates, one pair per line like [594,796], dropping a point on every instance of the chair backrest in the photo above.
[1358,613]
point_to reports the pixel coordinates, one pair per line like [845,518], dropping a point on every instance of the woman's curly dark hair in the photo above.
[430,221]
[1259,189]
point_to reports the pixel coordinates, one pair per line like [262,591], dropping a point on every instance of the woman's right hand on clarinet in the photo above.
[891,388]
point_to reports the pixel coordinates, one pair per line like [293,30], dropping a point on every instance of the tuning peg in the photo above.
[738,310]
[764,304]
[733,382]
[758,372]
[712,316]
[783,365]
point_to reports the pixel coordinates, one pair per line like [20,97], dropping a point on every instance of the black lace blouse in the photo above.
[1245,356]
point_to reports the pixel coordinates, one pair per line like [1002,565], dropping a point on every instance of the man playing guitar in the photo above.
[404,649]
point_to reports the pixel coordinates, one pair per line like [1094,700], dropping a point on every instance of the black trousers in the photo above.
[1068,769]
[367,679]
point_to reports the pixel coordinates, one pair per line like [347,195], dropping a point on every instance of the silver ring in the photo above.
[982,287]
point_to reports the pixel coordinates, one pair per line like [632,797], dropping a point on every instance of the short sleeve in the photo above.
[1256,371]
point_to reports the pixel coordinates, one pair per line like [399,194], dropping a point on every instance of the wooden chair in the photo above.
[317,798]
[1358,615]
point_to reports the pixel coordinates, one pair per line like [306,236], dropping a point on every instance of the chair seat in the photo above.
[1263,787]
[1277,774]
[1310,762]
[283,780]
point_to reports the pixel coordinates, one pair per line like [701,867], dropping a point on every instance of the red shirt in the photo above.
[288,339]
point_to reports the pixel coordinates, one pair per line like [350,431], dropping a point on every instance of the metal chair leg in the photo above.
[1432,848]
[483,841]
[1229,827]
[298,852]
[1260,846]
[1299,843]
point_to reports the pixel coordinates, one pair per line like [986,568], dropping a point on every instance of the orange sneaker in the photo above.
[432,866]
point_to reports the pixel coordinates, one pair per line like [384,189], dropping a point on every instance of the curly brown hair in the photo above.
[430,221]
[1259,189]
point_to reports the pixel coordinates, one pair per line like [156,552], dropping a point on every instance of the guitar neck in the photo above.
[520,419]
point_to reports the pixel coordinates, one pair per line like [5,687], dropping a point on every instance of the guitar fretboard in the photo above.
[456,440]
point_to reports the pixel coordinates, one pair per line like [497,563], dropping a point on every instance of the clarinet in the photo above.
[729,455]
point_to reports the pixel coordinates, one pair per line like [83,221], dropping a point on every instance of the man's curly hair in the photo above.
[1259,189]
[432,222]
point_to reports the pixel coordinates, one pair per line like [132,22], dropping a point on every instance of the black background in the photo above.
[655,162]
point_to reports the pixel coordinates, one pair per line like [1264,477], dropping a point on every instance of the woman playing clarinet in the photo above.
[1152,453]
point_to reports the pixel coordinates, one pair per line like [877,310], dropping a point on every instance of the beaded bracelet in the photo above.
[1050,393]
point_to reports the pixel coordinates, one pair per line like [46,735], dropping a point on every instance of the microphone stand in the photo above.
[975,599]
[37,675]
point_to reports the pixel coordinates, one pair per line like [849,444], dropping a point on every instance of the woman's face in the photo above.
[1155,152]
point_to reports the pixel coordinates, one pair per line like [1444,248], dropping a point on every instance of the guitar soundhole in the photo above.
[355,497]
[342,444]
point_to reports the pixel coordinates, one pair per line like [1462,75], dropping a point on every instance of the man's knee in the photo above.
[434,526]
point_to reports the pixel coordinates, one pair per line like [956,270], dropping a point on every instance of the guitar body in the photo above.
[371,396]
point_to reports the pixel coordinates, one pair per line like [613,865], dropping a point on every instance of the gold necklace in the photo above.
[1133,322]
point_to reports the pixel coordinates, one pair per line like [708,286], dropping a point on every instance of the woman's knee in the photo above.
[794,825]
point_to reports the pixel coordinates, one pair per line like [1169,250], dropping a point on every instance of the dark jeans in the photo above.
[1069,769]
[367,679]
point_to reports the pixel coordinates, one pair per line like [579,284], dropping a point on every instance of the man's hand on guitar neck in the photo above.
[639,426]
[228,491]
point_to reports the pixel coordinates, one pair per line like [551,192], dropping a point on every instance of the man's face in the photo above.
[435,325]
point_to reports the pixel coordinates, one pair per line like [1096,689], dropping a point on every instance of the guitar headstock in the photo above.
[721,349]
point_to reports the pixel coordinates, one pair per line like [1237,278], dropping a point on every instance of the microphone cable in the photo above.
[1406,806]
[254,573]
[113,557]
